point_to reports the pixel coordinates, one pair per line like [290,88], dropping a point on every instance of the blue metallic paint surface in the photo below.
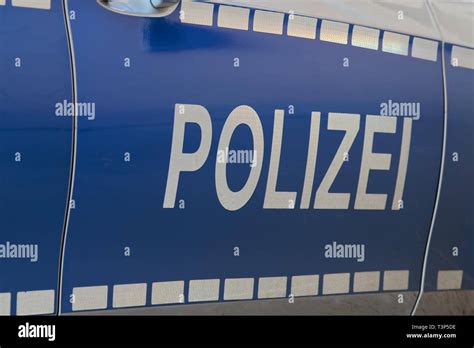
[120,204]
[455,218]
[34,191]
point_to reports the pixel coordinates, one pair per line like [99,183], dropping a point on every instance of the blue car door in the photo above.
[449,267]
[226,153]
[35,153]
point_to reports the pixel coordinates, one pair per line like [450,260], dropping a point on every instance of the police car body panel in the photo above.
[450,262]
[240,151]
[35,152]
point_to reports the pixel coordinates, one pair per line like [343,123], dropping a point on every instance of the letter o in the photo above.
[229,199]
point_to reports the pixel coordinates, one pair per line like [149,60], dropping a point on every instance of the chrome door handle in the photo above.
[141,8]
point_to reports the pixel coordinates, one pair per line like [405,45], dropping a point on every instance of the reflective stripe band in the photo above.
[306,285]
[238,289]
[334,32]
[395,43]
[449,280]
[89,297]
[304,27]
[365,37]
[196,13]
[129,295]
[272,287]
[35,302]
[5,303]
[233,17]
[336,283]
[366,281]
[462,57]
[268,22]
[208,290]
[38,4]
[425,49]
[395,280]
[264,21]
[203,290]
[167,292]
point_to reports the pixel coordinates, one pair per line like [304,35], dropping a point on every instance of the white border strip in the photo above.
[129,295]
[5,303]
[89,297]
[449,280]
[167,292]
[203,290]
[272,287]
[462,57]
[200,13]
[234,289]
[37,4]
[35,302]
[233,17]
[330,30]
[238,289]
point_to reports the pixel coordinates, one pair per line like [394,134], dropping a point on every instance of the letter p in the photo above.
[186,162]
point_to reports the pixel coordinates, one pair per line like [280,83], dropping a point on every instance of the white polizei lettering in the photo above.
[403,164]
[311,160]
[373,161]
[324,199]
[274,199]
[242,115]
[186,162]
